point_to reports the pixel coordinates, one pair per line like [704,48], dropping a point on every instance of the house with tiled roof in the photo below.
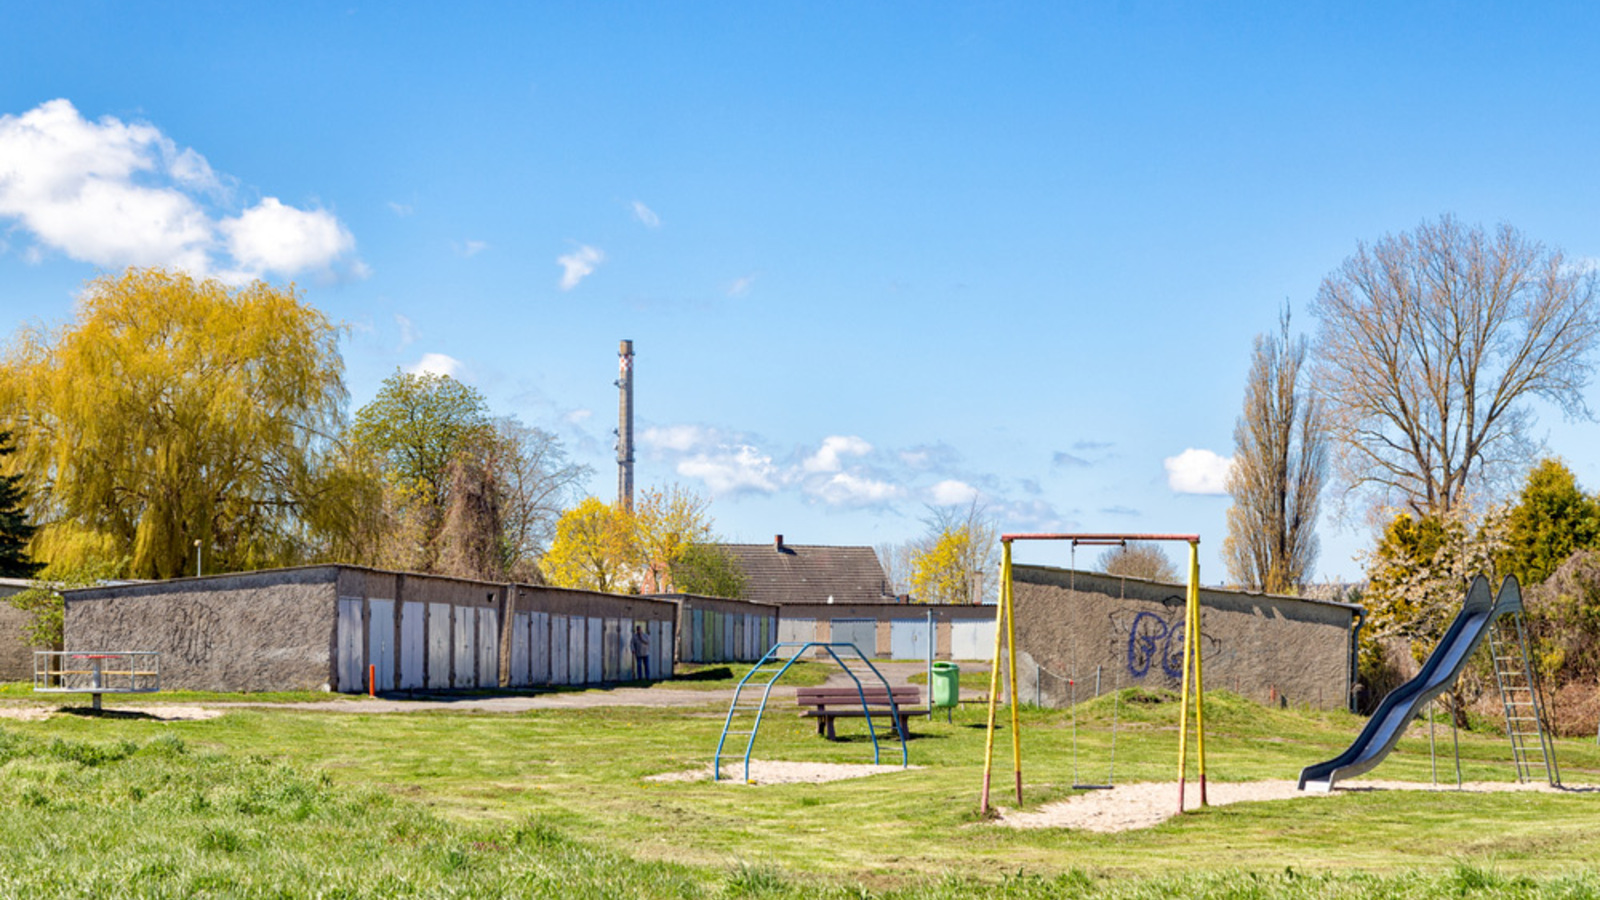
[807,573]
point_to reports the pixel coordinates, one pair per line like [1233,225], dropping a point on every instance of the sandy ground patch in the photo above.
[1130,806]
[770,771]
[163,713]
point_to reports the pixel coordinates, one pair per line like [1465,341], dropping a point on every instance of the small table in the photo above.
[64,672]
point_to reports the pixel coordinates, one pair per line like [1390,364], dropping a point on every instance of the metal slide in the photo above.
[1439,673]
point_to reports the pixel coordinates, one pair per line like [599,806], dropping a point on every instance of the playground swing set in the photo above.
[1484,618]
[1005,636]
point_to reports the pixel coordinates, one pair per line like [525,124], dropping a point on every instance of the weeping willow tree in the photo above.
[171,411]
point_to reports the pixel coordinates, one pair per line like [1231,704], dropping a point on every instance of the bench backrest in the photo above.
[875,696]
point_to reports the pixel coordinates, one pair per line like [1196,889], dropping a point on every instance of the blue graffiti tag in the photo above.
[1151,638]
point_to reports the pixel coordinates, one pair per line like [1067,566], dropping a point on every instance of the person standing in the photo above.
[640,645]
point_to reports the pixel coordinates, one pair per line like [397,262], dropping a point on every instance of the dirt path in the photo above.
[659,695]
[1131,806]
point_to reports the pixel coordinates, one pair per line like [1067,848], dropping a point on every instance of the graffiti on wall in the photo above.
[1154,640]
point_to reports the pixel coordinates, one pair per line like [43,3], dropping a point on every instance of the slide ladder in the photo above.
[751,695]
[1531,742]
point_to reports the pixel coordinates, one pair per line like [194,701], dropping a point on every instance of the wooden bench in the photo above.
[829,703]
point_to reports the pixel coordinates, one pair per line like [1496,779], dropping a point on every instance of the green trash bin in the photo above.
[946,686]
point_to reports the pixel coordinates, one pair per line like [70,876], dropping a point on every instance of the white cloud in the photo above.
[401,209]
[733,470]
[408,331]
[951,492]
[271,237]
[578,265]
[678,438]
[114,194]
[578,416]
[437,364]
[741,286]
[847,489]
[828,457]
[646,215]
[470,249]
[1198,472]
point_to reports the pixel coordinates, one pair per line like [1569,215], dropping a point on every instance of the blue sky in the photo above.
[872,256]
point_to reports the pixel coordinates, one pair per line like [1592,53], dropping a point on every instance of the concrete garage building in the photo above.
[1273,649]
[894,630]
[16,655]
[328,627]
[716,629]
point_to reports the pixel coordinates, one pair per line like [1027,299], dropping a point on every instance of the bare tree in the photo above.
[1139,559]
[1279,458]
[535,481]
[1432,342]
[954,561]
[896,562]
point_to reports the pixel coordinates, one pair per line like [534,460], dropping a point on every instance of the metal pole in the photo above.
[1455,740]
[1199,673]
[1433,761]
[994,672]
[933,638]
[1011,670]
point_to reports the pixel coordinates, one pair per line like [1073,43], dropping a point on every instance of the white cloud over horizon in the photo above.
[578,265]
[1196,471]
[829,457]
[848,489]
[437,364]
[408,331]
[646,216]
[114,194]
[733,470]
[952,492]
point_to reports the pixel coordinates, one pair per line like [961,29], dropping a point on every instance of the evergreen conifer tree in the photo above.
[14,528]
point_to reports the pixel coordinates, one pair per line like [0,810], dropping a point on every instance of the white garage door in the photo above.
[972,640]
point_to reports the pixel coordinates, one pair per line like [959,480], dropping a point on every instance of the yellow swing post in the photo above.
[1005,634]
[1191,661]
[1005,626]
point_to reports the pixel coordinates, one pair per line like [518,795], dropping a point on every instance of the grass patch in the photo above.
[23,690]
[971,678]
[450,803]
[720,676]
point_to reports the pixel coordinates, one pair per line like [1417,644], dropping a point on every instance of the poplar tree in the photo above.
[1279,458]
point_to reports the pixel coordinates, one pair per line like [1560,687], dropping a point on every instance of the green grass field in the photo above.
[287,802]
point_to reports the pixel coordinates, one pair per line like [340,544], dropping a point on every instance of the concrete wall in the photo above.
[16,655]
[1269,648]
[262,631]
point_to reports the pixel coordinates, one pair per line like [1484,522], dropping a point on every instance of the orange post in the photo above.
[372,681]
